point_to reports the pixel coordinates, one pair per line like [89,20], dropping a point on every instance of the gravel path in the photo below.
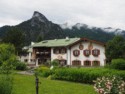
[26,72]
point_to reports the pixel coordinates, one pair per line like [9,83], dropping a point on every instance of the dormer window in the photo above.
[87,52]
[95,52]
[76,52]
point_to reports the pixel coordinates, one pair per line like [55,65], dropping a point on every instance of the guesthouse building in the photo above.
[69,51]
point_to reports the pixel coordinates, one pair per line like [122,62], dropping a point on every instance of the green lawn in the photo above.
[25,84]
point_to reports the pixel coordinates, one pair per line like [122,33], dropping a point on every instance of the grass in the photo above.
[25,84]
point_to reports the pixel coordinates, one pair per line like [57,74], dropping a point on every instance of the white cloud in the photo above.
[101,13]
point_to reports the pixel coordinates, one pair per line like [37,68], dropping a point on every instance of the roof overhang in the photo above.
[87,40]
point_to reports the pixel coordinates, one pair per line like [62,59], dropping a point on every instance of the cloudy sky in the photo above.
[100,13]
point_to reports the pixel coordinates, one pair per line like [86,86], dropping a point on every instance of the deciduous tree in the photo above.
[15,37]
[7,57]
[115,48]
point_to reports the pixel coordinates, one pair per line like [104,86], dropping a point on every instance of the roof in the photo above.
[56,42]
[30,50]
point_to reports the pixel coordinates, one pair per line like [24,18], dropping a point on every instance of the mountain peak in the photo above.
[39,16]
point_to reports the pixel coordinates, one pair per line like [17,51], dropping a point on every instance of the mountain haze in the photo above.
[40,26]
[83,30]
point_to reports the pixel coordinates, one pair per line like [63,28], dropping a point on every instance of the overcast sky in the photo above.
[100,13]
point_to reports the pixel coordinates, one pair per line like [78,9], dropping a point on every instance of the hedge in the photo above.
[20,66]
[82,75]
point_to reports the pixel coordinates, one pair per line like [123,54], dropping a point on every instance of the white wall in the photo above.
[70,57]
[23,58]
[57,56]
[65,56]
[83,58]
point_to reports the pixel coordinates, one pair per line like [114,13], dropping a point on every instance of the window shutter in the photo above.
[87,52]
[92,52]
[98,52]
[95,52]
[54,51]
[65,50]
[76,52]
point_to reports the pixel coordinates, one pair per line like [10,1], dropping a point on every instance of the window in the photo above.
[96,63]
[56,51]
[76,62]
[63,50]
[95,52]
[87,52]
[59,50]
[76,52]
[87,63]
[25,60]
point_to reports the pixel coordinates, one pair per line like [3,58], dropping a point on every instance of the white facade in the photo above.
[69,57]
[24,58]
[91,58]
[27,57]
[58,56]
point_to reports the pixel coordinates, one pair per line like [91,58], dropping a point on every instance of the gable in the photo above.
[87,40]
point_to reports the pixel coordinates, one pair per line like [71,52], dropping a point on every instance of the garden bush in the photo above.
[43,71]
[118,64]
[20,66]
[55,62]
[6,83]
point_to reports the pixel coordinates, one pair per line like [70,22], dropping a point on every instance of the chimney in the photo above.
[67,38]
[32,43]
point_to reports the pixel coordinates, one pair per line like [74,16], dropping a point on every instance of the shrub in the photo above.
[6,85]
[48,63]
[110,85]
[43,71]
[6,68]
[118,64]
[55,62]
[107,65]
[20,66]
